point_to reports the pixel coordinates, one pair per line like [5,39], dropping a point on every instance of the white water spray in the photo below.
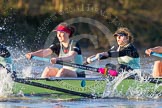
[26,72]
[111,88]
[138,89]
[6,83]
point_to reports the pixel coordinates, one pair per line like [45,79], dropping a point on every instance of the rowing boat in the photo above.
[83,87]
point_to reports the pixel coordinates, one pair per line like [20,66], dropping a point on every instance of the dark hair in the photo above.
[70,27]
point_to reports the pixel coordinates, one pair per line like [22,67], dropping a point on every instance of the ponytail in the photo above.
[72,29]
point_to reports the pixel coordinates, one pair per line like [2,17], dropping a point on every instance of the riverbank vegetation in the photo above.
[29,22]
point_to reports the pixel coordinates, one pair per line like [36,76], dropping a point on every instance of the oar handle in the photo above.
[79,66]
[156,54]
[40,58]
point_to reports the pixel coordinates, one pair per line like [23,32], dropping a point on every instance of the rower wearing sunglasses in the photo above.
[125,52]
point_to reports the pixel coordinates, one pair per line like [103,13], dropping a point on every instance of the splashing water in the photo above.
[138,88]
[23,66]
[26,72]
[139,91]
[6,83]
[111,88]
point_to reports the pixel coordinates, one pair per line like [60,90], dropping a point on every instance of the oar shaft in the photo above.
[77,66]
[156,54]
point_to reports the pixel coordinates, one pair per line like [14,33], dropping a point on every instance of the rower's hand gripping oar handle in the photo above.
[156,54]
[99,56]
[103,71]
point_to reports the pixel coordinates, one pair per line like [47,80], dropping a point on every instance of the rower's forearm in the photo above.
[130,53]
[157,49]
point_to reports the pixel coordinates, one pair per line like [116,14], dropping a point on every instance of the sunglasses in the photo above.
[120,34]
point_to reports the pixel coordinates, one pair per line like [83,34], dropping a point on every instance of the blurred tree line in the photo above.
[29,22]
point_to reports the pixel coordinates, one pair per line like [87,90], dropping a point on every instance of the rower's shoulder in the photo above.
[75,43]
[131,46]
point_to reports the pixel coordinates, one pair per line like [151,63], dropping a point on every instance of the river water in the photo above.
[35,102]
[31,69]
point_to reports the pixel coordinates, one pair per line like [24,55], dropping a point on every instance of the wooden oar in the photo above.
[104,71]
[36,84]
